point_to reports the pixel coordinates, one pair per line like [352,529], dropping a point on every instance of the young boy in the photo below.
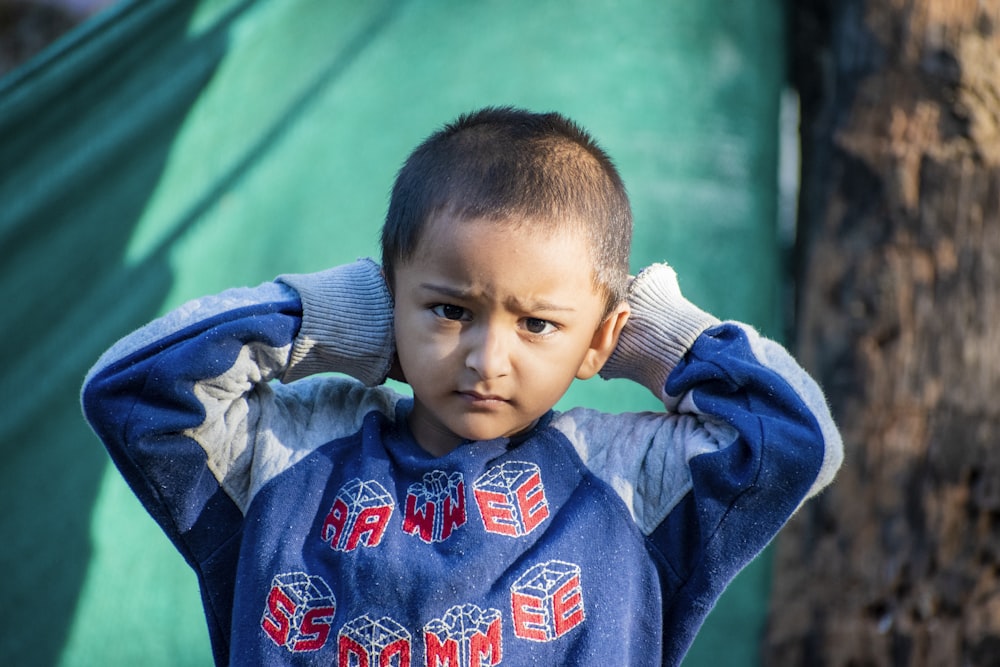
[332,521]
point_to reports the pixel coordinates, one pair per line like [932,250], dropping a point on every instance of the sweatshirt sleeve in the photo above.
[187,408]
[722,385]
[746,436]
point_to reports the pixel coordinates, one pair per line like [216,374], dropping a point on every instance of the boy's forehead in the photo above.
[508,242]
[542,226]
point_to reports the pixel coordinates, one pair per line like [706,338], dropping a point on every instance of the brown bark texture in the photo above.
[898,317]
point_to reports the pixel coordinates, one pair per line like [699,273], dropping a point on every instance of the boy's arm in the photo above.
[746,438]
[725,375]
[185,407]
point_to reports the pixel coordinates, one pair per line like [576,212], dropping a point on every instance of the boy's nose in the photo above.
[489,353]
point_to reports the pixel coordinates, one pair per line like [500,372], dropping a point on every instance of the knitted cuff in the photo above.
[346,323]
[661,329]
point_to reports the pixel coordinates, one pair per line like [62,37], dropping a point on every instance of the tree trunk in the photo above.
[899,319]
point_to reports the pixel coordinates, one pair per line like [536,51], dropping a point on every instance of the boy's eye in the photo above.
[533,325]
[449,311]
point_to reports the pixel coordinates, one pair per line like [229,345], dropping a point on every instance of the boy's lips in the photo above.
[478,397]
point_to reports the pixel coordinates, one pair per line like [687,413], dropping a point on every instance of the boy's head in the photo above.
[506,247]
[514,167]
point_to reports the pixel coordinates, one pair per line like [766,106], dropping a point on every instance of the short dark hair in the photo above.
[503,163]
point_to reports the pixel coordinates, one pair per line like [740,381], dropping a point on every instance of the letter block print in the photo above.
[299,611]
[547,601]
[511,498]
[435,507]
[367,643]
[466,636]
[359,515]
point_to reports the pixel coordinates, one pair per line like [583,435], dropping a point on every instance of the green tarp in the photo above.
[168,149]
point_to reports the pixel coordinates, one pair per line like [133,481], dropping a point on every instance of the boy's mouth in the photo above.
[477,398]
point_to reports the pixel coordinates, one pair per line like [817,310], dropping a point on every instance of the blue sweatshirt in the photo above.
[321,532]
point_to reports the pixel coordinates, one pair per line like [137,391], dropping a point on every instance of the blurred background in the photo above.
[156,150]
[827,170]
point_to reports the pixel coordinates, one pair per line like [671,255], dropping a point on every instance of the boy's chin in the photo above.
[486,433]
[441,436]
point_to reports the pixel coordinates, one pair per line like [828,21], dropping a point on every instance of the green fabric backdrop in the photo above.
[168,149]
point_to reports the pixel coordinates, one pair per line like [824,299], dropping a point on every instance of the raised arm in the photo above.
[745,438]
[182,403]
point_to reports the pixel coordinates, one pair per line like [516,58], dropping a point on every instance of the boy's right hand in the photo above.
[346,323]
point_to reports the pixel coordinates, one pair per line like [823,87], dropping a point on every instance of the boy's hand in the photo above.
[346,323]
[661,328]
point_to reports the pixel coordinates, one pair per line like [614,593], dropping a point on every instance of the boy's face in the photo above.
[492,323]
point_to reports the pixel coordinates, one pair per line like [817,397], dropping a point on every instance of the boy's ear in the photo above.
[604,341]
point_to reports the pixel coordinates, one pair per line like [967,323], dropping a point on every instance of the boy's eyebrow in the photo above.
[445,290]
[538,306]
[512,302]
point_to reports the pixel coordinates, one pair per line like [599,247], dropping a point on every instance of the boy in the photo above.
[330,520]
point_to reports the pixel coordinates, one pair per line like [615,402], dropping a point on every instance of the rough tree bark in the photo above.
[899,318]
